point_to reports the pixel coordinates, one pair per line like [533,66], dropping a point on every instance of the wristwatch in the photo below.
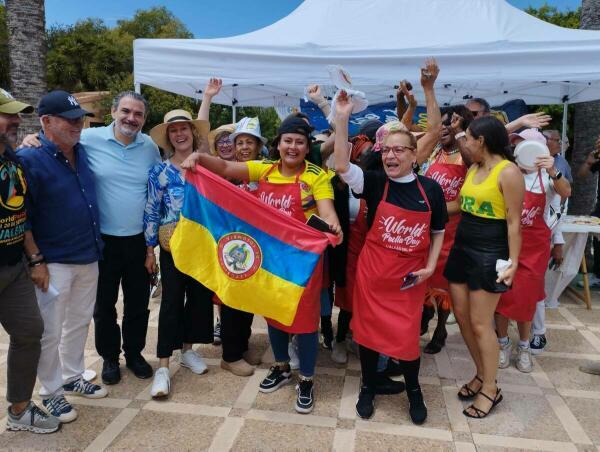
[557,176]
[459,135]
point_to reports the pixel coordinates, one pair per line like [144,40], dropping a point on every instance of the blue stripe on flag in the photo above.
[296,267]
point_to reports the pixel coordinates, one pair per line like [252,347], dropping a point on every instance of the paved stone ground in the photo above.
[554,408]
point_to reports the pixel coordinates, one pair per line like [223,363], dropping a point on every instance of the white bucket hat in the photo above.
[250,126]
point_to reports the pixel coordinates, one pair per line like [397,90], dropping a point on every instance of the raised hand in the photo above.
[429,73]
[405,90]
[213,87]
[535,120]
[314,94]
[344,104]
[456,123]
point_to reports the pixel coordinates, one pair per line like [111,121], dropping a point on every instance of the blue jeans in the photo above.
[308,344]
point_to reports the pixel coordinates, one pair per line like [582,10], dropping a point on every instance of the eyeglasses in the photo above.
[224,142]
[558,140]
[397,150]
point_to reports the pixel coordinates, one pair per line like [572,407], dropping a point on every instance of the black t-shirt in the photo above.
[405,195]
[12,208]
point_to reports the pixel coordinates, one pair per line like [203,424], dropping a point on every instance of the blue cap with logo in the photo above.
[61,103]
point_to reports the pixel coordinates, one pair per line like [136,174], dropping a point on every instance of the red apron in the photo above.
[519,303]
[288,199]
[451,178]
[357,233]
[387,319]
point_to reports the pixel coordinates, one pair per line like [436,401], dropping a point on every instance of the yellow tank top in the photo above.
[484,199]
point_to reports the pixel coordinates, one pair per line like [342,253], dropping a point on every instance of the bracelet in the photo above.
[37,263]
[33,256]
[150,254]
[459,135]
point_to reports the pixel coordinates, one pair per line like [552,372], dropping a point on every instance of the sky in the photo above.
[209,18]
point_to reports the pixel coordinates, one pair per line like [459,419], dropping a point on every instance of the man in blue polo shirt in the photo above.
[120,156]
[64,245]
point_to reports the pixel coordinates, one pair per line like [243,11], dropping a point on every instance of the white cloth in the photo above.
[66,322]
[532,184]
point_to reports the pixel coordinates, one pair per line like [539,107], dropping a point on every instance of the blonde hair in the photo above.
[406,133]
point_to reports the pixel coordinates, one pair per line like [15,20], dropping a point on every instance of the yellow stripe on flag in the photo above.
[195,253]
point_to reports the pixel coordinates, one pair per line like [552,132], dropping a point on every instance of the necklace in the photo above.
[454,151]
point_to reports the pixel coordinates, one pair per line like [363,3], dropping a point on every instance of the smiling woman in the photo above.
[298,189]
[407,216]
[186,310]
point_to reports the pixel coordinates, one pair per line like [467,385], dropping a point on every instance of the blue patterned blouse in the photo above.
[165,199]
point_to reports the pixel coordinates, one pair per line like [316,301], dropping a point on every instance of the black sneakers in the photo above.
[304,400]
[276,379]
[111,374]
[365,406]
[384,385]
[139,366]
[537,344]
[417,408]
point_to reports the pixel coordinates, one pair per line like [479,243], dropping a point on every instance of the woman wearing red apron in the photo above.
[447,167]
[519,304]
[406,215]
[299,189]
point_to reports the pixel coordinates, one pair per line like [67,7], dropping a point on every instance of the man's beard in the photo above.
[127,130]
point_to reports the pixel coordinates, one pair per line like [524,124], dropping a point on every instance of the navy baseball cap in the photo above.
[61,103]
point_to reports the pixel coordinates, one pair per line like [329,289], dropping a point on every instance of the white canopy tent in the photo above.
[485,48]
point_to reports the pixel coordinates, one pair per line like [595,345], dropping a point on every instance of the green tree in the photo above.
[547,13]
[156,22]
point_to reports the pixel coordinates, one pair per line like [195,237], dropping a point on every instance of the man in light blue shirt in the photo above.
[120,157]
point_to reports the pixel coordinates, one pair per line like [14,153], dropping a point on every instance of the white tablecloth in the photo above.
[576,236]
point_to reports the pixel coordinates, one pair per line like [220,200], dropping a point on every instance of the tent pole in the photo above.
[564,127]
[234,114]
[138,88]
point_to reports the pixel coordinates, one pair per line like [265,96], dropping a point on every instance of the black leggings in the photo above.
[368,367]
[343,325]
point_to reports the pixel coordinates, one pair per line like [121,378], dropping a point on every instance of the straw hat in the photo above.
[214,134]
[159,132]
[250,126]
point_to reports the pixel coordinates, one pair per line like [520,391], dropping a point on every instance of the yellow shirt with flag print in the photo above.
[315,184]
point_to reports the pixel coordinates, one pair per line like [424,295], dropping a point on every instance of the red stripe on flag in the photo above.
[250,210]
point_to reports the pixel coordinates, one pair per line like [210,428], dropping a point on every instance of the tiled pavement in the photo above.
[554,408]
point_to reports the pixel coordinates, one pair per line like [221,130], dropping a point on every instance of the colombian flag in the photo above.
[254,257]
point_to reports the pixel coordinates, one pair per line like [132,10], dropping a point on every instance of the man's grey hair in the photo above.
[134,95]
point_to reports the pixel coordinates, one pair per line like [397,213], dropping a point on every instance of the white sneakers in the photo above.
[161,386]
[504,356]
[339,354]
[193,361]
[524,363]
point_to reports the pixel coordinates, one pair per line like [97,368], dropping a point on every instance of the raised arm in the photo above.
[315,95]
[343,111]
[213,86]
[405,112]
[530,121]
[458,129]
[562,185]
[427,143]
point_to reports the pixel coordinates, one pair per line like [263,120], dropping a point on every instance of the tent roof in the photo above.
[485,48]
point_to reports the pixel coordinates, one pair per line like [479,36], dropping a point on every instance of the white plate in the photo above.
[527,151]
